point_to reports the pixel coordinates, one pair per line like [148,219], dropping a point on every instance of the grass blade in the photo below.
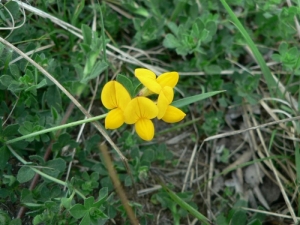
[260,60]
[186,206]
[194,98]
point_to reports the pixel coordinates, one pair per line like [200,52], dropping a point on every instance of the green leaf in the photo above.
[28,128]
[9,179]
[138,88]
[88,202]
[148,155]
[15,222]
[41,84]
[211,27]
[87,34]
[240,203]
[86,220]
[205,36]
[92,143]
[283,47]
[103,193]
[66,202]
[38,219]
[54,167]
[255,222]
[14,69]
[171,41]
[173,27]
[53,98]
[96,213]
[276,57]
[221,219]
[11,130]
[59,164]
[25,174]
[195,98]
[212,69]
[239,217]
[7,80]
[97,69]
[13,8]
[293,52]
[126,82]
[260,216]
[4,156]
[4,218]
[33,205]
[78,211]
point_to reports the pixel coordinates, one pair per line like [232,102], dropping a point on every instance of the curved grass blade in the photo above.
[260,60]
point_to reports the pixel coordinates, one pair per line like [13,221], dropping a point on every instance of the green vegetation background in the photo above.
[248,48]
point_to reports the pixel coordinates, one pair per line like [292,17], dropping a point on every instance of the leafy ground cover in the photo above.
[231,158]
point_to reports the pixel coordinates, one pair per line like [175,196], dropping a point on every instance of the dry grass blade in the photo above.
[217,136]
[189,167]
[269,213]
[117,184]
[256,127]
[30,53]
[245,157]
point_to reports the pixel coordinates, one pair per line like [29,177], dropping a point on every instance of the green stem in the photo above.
[56,128]
[41,173]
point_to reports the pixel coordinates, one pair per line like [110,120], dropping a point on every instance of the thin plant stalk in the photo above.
[56,128]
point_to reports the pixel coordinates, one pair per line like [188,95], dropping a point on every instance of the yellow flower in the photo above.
[140,111]
[173,115]
[155,85]
[167,112]
[163,86]
[115,97]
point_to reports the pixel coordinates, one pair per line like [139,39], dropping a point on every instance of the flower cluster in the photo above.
[141,110]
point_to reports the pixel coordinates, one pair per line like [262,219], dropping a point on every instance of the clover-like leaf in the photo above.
[171,41]
[78,211]
[25,174]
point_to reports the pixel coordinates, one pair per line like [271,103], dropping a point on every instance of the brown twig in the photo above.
[117,184]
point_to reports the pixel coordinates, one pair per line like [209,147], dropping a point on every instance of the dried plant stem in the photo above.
[283,192]
[217,136]
[114,177]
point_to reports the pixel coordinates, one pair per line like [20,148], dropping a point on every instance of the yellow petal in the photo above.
[164,100]
[114,119]
[148,79]
[140,108]
[168,79]
[145,129]
[173,115]
[114,95]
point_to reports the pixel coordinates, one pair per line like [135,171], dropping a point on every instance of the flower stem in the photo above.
[57,128]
